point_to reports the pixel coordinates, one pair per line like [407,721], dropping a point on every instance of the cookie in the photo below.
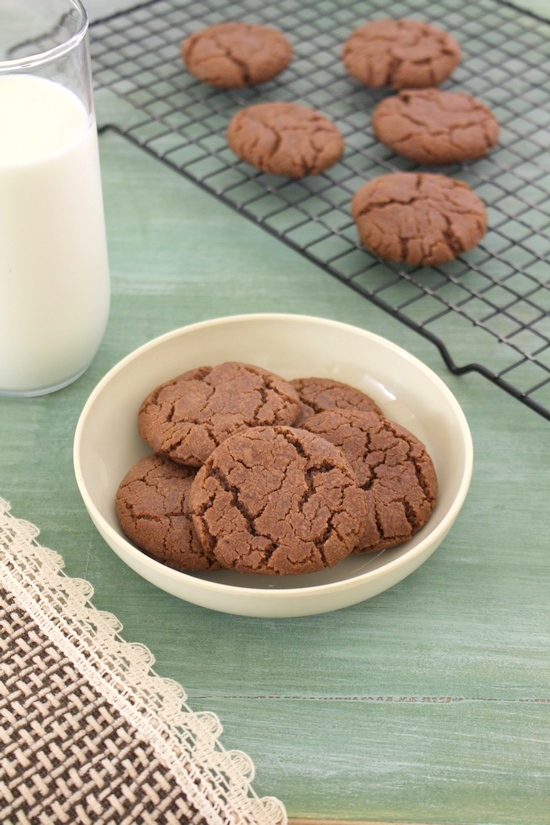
[233,55]
[285,139]
[433,126]
[393,469]
[186,418]
[151,508]
[318,394]
[400,54]
[418,219]
[278,501]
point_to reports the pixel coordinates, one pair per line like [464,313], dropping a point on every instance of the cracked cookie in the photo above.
[400,54]
[278,501]
[393,469]
[233,55]
[418,219]
[151,508]
[186,418]
[318,394]
[285,139]
[433,126]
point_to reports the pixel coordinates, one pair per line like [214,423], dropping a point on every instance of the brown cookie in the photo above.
[186,418]
[400,54]
[318,394]
[285,139]
[419,219]
[279,501]
[232,55]
[392,467]
[151,509]
[434,126]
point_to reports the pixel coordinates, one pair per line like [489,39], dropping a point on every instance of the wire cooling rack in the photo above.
[487,311]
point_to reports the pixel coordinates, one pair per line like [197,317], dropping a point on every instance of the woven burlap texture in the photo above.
[89,733]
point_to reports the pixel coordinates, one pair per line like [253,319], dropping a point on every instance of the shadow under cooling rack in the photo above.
[497,295]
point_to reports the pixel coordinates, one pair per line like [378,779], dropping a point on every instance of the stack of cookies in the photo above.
[414,218]
[254,473]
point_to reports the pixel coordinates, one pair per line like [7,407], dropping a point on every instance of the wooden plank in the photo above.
[308,821]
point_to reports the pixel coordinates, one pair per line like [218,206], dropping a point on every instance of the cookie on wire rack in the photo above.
[236,54]
[400,54]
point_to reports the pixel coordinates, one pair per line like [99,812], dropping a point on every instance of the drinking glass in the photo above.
[54,272]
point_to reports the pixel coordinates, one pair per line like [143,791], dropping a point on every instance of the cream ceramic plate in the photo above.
[107,443]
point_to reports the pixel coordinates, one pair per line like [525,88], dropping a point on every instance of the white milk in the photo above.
[54,277]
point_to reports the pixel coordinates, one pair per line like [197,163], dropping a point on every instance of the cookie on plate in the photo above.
[278,501]
[151,508]
[418,218]
[400,54]
[393,469]
[285,139]
[318,394]
[433,126]
[186,418]
[232,55]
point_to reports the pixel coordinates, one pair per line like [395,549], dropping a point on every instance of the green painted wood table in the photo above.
[427,704]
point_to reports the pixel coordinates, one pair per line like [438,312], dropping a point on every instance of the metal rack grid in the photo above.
[498,294]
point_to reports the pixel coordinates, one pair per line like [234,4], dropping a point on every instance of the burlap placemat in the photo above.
[89,733]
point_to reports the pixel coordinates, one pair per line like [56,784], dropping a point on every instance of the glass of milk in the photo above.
[54,273]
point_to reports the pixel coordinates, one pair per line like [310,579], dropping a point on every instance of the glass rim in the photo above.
[47,56]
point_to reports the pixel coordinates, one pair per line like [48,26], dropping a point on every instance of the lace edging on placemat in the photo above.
[217,781]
